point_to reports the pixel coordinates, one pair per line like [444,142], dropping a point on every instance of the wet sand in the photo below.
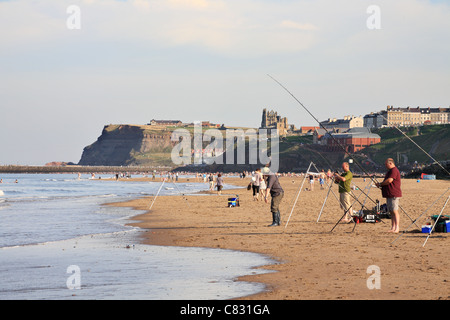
[312,262]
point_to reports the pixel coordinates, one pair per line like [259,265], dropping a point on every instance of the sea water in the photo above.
[57,241]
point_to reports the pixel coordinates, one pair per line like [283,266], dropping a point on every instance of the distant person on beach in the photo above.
[344,181]
[219,184]
[256,183]
[391,190]
[311,182]
[262,187]
[329,175]
[211,182]
[276,192]
[322,179]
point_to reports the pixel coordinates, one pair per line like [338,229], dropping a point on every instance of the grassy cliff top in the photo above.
[149,129]
[434,139]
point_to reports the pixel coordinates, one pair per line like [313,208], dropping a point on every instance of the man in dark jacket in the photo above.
[276,192]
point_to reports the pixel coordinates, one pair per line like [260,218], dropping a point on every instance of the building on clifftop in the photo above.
[271,120]
[167,123]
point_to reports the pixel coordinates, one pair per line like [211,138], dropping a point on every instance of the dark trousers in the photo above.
[275,203]
[275,209]
[255,190]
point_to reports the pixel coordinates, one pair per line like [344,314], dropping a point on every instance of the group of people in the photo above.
[258,185]
[321,177]
[266,185]
[390,189]
[211,180]
[17,181]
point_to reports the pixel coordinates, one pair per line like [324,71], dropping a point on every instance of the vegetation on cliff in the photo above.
[143,145]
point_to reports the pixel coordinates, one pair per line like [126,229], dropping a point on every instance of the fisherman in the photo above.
[276,192]
[344,181]
[391,190]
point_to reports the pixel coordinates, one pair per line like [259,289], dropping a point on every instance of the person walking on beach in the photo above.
[329,175]
[311,182]
[344,181]
[391,190]
[219,184]
[262,187]
[322,179]
[275,190]
[256,183]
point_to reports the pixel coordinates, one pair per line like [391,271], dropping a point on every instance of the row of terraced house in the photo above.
[406,117]
[354,133]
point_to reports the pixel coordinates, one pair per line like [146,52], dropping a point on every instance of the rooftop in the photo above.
[359,132]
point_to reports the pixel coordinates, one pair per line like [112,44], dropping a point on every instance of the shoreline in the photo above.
[310,262]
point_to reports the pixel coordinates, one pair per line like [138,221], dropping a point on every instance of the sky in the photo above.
[65,74]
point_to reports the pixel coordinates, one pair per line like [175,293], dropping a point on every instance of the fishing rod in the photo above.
[323,127]
[326,160]
[421,215]
[151,205]
[437,219]
[340,187]
[367,197]
[351,194]
[334,139]
[435,161]
[301,188]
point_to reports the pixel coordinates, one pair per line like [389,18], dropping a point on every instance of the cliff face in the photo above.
[123,145]
[140,145]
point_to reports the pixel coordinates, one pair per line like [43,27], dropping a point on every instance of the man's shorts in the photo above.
[392,204]
[344,199]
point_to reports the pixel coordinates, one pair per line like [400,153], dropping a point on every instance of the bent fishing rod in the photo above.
[421,149]
[356,199]
[323,127]
[328,132]
[340,187]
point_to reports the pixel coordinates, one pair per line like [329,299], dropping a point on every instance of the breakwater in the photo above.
[79,169]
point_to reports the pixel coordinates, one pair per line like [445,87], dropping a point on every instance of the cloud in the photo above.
[234,28]
[197,4]
[141,4]
[134,60]
[300,26]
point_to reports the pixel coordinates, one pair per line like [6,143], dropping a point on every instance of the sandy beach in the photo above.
[311,261]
